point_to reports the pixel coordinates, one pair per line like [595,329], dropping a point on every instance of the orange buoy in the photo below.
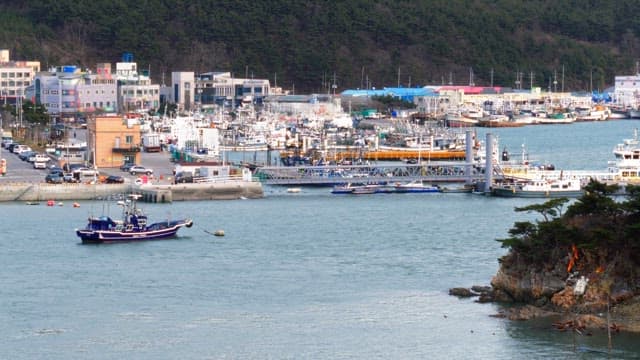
[75,204]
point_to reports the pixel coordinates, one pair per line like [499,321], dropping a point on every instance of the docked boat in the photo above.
[360,189]
[417,186]
[133,226]
[539,188]
[497,120]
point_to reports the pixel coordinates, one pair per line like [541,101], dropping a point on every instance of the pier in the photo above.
[437,172]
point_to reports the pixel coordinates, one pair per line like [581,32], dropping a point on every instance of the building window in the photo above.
[4,75]
[128,139]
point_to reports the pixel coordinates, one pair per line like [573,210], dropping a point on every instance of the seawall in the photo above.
[157,193]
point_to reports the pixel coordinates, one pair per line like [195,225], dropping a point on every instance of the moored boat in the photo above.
[132,227]
[539,188]
[417,186]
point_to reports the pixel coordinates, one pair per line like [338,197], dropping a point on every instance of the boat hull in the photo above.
[416,190]
[506,192]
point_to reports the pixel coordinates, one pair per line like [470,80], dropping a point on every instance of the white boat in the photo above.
[558,118]
[595,113]
[416,186]
[539,188]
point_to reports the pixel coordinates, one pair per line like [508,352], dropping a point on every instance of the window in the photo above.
[128,139]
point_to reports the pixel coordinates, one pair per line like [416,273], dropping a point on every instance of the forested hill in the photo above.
[302,43]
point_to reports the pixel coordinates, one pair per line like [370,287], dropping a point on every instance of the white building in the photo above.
[627,90]
[67,92]
[135,90]
[222,88]
[15,77]
[182,89]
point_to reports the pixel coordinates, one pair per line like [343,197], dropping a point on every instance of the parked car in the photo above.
[39,165]
[114,179]
[127,166]
[54,178]
[11,146]
[19,149]
[25,155]
[138,169]
[85,171]
[68,177]
[183,177]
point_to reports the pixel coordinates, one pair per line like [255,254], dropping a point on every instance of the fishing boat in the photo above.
[539,188]
[416,186]
[132,227]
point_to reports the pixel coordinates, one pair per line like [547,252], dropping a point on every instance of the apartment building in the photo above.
[69,93]
[15,77]
[222,88]
[136,93]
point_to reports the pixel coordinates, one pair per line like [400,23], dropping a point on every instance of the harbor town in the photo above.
[89,126]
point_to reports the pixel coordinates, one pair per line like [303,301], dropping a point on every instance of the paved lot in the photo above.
[23,171]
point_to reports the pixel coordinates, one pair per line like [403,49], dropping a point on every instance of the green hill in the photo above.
[364,43]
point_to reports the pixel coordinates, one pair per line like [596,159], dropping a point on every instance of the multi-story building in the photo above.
[15,77]
[627,90]
[113,140]
[135,91]
[182,89]
[223,89]
[69,93]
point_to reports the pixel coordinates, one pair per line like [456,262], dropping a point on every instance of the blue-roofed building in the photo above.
[406,94]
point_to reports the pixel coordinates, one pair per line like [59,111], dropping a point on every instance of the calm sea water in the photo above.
[309,275]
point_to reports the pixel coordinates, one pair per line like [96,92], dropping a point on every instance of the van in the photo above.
[41,158]
[39,165]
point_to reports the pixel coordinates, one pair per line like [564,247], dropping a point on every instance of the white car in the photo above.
[84,171]
[134,170]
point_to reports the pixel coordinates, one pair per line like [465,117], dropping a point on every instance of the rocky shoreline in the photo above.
[580,268]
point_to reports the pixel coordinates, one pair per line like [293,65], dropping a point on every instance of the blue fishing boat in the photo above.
[133,226]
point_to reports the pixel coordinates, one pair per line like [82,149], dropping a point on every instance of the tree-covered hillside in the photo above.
[360,42]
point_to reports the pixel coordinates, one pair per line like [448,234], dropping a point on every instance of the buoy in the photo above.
[219,233]
[50,203]
[75,204]
[60,203]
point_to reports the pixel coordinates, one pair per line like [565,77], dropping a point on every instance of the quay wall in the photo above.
[43,191]
[228,190]
[157,193]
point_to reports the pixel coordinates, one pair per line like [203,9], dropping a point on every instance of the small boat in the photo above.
[539,188]
[132,227]
[416,186]
[365,189]
[342,189]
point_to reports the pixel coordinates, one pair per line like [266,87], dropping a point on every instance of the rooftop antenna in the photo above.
[491,77]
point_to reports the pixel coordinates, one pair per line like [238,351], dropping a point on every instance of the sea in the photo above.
[307,275]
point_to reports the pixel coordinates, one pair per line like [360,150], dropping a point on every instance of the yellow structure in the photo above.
[113,140]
